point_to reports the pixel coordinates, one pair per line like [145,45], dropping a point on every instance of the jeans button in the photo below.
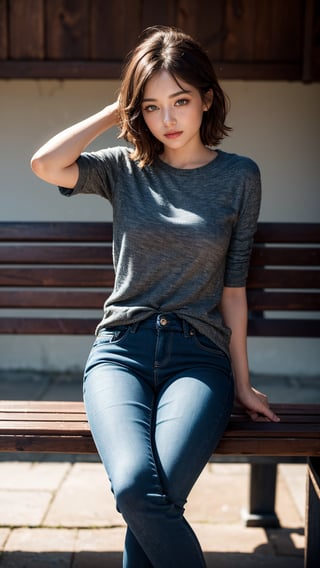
[163,321]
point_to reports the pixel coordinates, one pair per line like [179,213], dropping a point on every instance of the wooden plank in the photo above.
[48,326]
[283,278]
[309,20]
[238,44]
[61,231]
[285,256]
[276,327]
[67,29]
[47,406]
[157,13]
[107,40]
[30,299]
[261,300]
[82,69]
[51,231]
[55,425]
[86,326]
[48,444]
[262,31]
[4,48]
[68,254]
[286,29]
[288,233]
[63,69]
[268,447]
[26,30]
[227,446]
[64,277]
[204,21]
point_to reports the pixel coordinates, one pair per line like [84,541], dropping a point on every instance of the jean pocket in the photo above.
[206,344]
[112,335]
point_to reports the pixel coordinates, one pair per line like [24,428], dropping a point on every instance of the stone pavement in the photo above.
[58,510]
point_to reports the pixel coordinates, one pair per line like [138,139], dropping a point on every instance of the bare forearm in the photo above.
[235,313]
[55,161]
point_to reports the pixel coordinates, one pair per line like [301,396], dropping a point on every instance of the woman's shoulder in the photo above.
[233,158]
[239,162]
[113,153]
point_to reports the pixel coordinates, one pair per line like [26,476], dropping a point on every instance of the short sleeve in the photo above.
[97,174]
[239,251]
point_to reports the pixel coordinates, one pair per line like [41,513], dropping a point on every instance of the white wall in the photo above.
[276,123]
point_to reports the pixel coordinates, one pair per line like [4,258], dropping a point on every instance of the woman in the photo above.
[171,346]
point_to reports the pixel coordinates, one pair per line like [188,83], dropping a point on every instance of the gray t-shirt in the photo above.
[180,235]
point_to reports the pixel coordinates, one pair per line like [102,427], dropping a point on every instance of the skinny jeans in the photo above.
[158,396]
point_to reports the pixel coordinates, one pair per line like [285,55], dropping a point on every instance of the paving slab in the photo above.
[219,494]
[295,478]
[45,548]
[84,499]
[23,508]
[32,475]
[100,547]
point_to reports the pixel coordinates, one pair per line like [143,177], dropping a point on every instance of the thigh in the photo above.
[193,410]
[119,409]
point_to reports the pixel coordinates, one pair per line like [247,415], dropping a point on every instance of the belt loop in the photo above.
[134,327]
[186,328]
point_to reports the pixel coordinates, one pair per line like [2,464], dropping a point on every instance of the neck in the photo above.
[182,160]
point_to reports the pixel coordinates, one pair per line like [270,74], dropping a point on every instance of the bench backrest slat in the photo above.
[55,254]
[60,231]
[67,299]
[68,266]
[70,277]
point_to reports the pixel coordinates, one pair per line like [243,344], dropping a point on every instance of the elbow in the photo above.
[38,166]
[42,168]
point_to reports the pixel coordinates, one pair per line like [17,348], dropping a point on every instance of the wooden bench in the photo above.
[55,276]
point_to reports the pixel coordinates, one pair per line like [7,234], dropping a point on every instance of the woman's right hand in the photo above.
[55,161]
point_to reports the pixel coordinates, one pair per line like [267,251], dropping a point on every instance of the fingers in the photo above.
[265,415]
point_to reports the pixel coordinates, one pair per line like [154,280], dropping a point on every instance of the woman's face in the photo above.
[173,112]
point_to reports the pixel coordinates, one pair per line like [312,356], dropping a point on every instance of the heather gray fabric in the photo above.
[179,235]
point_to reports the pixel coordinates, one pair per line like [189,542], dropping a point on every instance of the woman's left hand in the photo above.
[256,405]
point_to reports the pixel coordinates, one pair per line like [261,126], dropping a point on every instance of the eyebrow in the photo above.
[182,92]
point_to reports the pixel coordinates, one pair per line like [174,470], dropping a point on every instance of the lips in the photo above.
[172,135]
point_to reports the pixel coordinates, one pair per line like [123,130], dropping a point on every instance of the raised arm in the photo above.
[235,313]
[55,161]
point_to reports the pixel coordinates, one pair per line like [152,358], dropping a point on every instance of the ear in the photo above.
[207,100]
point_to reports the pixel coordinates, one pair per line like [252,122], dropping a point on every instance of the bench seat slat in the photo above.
[235,429]
[77,407]
[227,446]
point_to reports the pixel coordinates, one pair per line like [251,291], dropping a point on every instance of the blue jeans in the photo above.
[158,397]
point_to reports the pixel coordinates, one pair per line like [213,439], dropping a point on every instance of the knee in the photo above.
[131,496]
[136,499]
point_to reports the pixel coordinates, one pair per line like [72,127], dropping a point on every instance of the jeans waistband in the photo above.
[164,322]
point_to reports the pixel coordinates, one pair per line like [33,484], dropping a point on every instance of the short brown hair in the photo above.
[169,49]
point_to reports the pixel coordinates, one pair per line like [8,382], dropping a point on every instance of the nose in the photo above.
[168,117]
